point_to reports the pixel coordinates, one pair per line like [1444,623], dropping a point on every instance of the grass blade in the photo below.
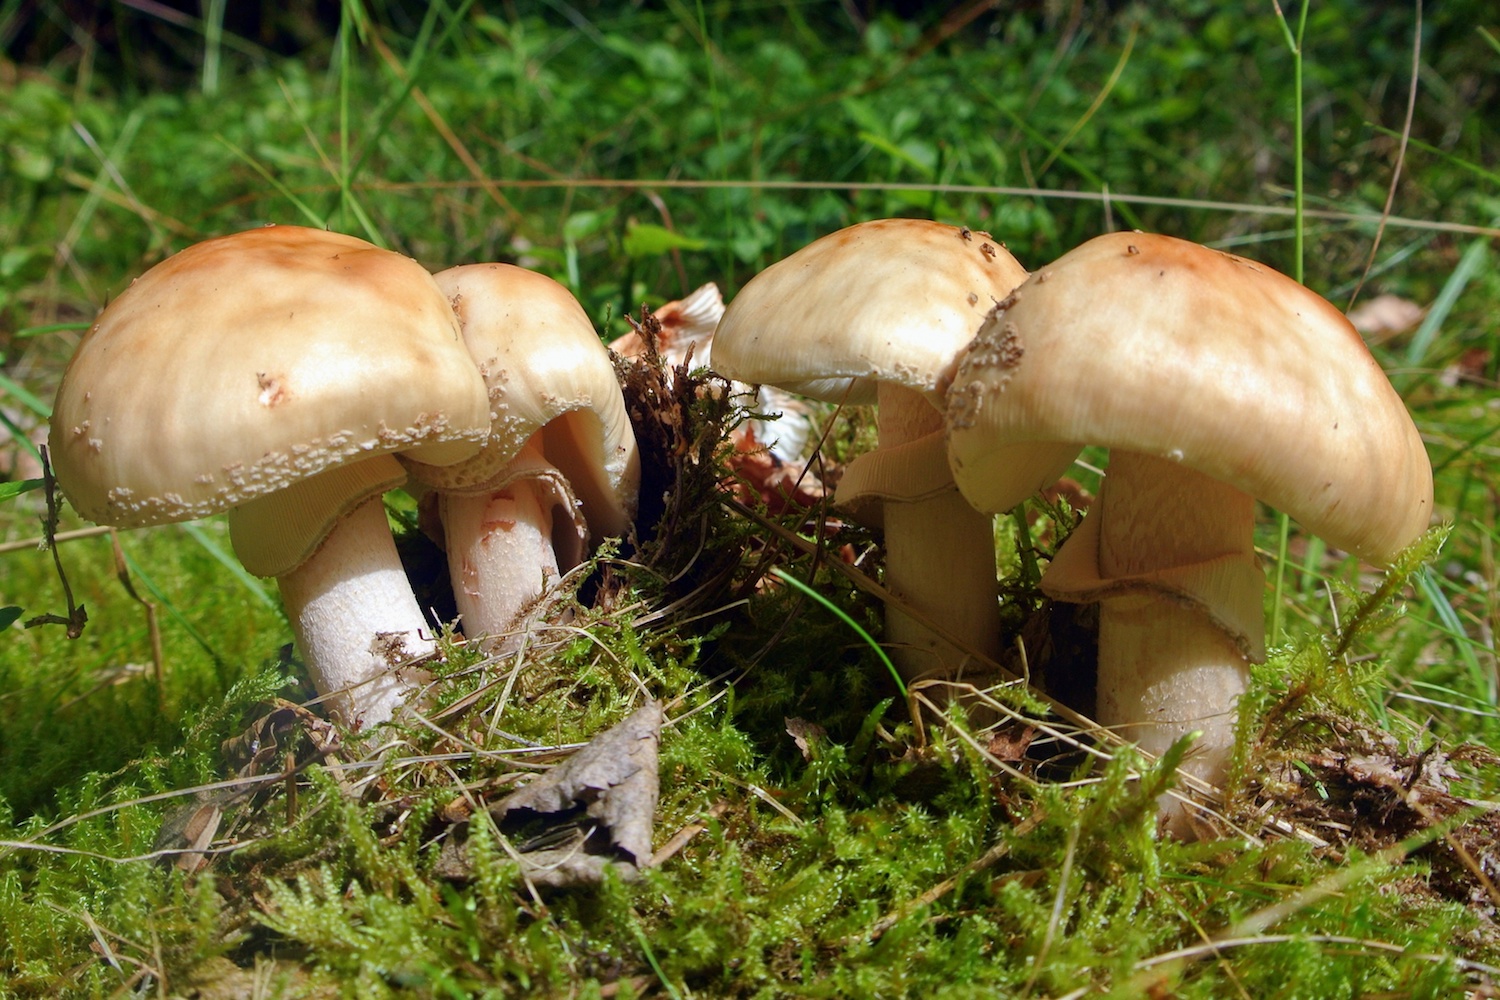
[229,562]
[840,614]
[24,396]
[1431,589]
[1475,257]
[172,609]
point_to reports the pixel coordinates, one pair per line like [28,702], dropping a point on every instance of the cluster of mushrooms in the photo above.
[292,376]
[1213,381]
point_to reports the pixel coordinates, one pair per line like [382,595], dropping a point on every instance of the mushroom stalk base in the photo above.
[1180,595]
[1165,672]
[940,559]
[356,620]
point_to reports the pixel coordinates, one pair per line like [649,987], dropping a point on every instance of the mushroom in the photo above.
[559,466]
[273,374]
[879,312]
[1213,380]
[767,464]
[686,323]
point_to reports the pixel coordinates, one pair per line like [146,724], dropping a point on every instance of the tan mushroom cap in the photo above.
[1167,348]
[247,364]
[545,367]
[887,301]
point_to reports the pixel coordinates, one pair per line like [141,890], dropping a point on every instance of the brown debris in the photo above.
[766,463]
[1010,743]
[1470,366]
[1385,316]
[594,811]
[1371,793]
[805,734]
[277,741]
[681,421]
[762,478]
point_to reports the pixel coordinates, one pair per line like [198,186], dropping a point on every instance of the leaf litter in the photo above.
[591,812]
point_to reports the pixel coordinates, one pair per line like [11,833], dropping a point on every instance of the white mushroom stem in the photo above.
[1180,606]
[356,620]
[506,547]
[940,559]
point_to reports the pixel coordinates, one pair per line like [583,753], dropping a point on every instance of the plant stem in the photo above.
[1298,208]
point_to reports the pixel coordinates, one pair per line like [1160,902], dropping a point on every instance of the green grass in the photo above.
[633,155]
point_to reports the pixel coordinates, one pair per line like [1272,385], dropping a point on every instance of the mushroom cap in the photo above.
[1164,347]
[685,323]
[249,363]
[893,300]
[547,371]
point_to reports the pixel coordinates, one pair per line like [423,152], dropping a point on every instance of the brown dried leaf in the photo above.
[275,733]
[761,477]
[1372,794]
[286,733]
[1470,366]
[805,734]
[595,810]
[1011,742]
[1385,316]
[191,829]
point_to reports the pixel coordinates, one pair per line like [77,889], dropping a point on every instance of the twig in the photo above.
[1390,194]
[680,839]
[77,617]
[445,130]
[153,626]
[1213,947]
[61,536]
[1251,928]
[771,184]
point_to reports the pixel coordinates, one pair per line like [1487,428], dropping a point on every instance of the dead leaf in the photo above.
[191,830]
[595,810]
[805,734]
[761,477]
[1373,794]
[457,810]
[275,733]
[1385,316]
[267,745]
[1011,742]
[1470,366]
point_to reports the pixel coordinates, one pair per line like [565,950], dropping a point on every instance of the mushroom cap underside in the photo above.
[1160,346]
